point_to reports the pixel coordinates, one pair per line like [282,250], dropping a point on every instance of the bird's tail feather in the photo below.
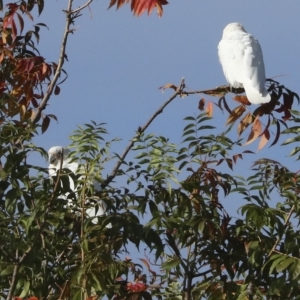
[256,96]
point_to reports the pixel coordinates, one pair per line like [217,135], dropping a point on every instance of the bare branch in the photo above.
[69,21]
[216,91]
[81,7]
[14,278]
[179,91]
[66,285]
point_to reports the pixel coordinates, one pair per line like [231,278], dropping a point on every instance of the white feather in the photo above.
[55,154]
[242,62]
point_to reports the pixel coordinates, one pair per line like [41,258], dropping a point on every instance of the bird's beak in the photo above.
[52,158]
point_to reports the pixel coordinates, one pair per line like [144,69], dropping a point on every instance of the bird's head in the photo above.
[56,154]
[232,27]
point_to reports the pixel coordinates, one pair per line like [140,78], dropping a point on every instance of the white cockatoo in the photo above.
[242,61]
[59,158]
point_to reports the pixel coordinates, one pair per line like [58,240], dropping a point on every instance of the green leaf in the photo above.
[189,119]
[25,289]
[7,271]
[291,140]
[171,263]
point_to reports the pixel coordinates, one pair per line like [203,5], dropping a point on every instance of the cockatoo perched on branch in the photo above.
[242,61]
[59,157]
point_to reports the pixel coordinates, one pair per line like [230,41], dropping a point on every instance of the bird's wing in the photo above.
[254,68]
[52,170]
[73,166]
[231,52]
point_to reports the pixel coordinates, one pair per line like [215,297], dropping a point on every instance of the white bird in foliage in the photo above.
[242,61]
[59,158]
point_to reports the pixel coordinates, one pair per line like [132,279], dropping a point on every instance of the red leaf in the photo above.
[277,133]
[44,68]
[14,28]
[288,101]
[236,156]
[34,102]
[220,161]
[229,163]
[21,21]
[52,117]
[168,86]
[255,132]
[119,279]
[136,287]
[242,99]
[45,124]
[264,139]
[245,122]
[201,104]
[210,109]
[226,105]
[57,90]
[235,114]
[140,6]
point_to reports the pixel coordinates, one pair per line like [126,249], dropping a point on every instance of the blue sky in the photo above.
[117,62]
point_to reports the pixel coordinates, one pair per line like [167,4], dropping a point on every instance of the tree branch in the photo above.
[179,91]
[285,225]
[69,21]
[81,7]
[218,91]
[14,277]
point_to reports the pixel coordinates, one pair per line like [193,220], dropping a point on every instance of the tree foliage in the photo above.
[166,203]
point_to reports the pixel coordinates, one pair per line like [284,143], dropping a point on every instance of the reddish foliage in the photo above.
[255,131]
[8,20]
[24,72]
[168,86]
[210,109]
[140,6]
[264,139]
[242,99]
[256,118]
[201,104]
[136,286]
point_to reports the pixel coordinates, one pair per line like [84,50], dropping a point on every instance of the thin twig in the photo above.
[284,226]
[64,290]
[217,90]
[188,276]
[140,131]
[83,201]
[14,277]
[60,64]
[81,7]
